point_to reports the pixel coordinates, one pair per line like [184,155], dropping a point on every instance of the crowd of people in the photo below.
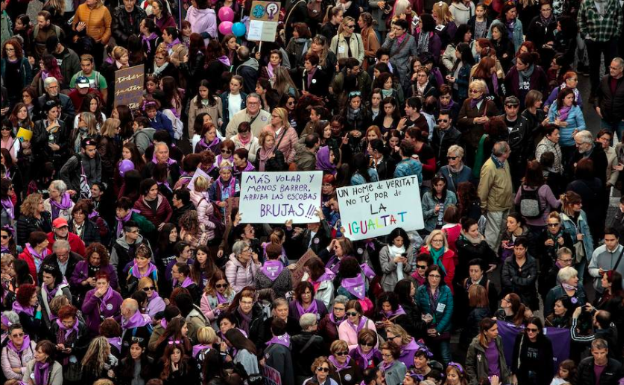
[126,259]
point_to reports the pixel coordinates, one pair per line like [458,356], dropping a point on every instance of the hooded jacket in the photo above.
[143,138]
[203,22]
[76,165]
[120,257]
[250,71]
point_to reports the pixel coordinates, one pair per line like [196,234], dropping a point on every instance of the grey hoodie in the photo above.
[250,71]
[143,138]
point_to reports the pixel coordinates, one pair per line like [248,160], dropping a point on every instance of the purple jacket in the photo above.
[93,316]
[81,272]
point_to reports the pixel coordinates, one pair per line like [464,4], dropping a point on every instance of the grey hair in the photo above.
[599,343]
[619,60]
[59,185]
[49,81]
[130,303]
[279,302]
[341,299]
[11,316]
[500,148]
[585,136]
[158,144]
[457,150]
[253,95]
[307,320]
[61,244]
[239,246]
[567,273]
[243,52]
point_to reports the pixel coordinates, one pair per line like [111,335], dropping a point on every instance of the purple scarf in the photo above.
[221,299]
[115,341]
[248,167]
[173,44]
[332,318]
[68,331]
[210,146]
[355,286]
[395,313]
[33,252]
[65,204]
[245,320]
[564,112]
[199,348]
[359,326]
[136,321]
[39,367]
[7,204]
[146,40]
[339,366]
[169,161]
[25,345]
[474,102]
[221,159]
[313,308]
[367,356]
[322,160]
[385,366]
[283,340]
[166,184]
[105,298]
[225,60]
[334,264]
[367,271]
[272,269]
[270,70]
[137,273]
[231,186]
[18,308]
[327,276]
[120,222]
[187,282]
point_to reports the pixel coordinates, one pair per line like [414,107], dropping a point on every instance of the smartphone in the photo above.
[225,304]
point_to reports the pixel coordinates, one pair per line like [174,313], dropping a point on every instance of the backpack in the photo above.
[530,206]
[217,218]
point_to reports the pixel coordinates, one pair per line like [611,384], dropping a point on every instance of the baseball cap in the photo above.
[59,222]
[82,82]
[512,100]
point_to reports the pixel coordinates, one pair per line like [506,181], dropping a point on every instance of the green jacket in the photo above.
[144,224]
[7,27]
[477,365]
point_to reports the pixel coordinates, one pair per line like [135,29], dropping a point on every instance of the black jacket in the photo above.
[277,163]
[305,348]
[441,143]
[26,225]
[73,260]
[527,354]
[521,280]
[126,23]
[540,33]
[601,164]
[72,170]
[611,104]
[68,112]
[41,140]
[319,85]
[297,245]
[90,233]
[610,376]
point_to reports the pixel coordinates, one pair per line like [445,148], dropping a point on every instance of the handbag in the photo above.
[579,250]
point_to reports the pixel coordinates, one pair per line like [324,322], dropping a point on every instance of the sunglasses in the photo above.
[451,157]
[350,26]
[442,120]
[6,129]
[221,286]
[511,106]
[422,267]
[17,335]
[226,151]
[352,314]
[532,330]
[369,344]
[475,91]
[553,224]
[5,237]
[148,288]
[341,354]
[322,369]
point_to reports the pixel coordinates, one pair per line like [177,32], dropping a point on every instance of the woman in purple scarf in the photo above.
[141,267]
[304,302]
[59,204]
[273,274]
[100,303]
[389,313]
[18,351]
[216,298]
[365,354]
[342,367]
[43,370]
[71,338]
[54,285]
[155,303]
[209,140]
[83,278]
[325,160]
[28,309]
[355,322]
[247,312]
[181,277]
[393,370]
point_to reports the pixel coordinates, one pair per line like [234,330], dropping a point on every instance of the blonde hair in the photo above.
[433,234]
[345,20]
[91,122]
[283,114]
[201,184]
[118,52]
[397,330]
[98,352]
[145,281]
[338,346]
[206,335]
[399,7]
[262,137]
[110,126]
[29,207]
[478,83]
[442,12]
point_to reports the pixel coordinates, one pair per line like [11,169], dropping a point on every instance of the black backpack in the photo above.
[530,206]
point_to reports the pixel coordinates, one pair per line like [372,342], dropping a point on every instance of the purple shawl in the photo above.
[187,282]
[136,321]
[39,367]
[210,146]
[33,252]
[474,102]
[18,308]
[272,269]
[360,325]
[313,308]
[283,340]
[396,313]
[115,341]
[68,331]
[25,345]
[108,295]
[327,276]
[137,273]
[7,204]
[339,366]
[356,286]
[245,320]
[322,161]
[199,348]
[65,204]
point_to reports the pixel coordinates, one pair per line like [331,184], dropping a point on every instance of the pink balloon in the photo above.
[226,14]
[225,27]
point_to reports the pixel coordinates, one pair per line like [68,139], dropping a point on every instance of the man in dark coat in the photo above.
[608,370]
[126,21]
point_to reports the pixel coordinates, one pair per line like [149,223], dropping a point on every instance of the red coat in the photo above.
[162,214]
[75,243]
[30,260]
[448,262]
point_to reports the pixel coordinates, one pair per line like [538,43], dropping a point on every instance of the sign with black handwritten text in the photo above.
[275,197]
[129,86]
[373,209]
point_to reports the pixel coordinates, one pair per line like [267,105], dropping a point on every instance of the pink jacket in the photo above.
[238,275]
[287,140]
[202,20]
[11,360]
[204,210]
[347,333]
[208,306]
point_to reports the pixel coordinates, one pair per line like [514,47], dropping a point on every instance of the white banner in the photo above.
[373,209]
[275,197]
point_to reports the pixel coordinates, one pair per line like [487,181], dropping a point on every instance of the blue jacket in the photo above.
[453,179]
[518,34]
[161,122]
[575,121]
[582,227]
[428,207]
[442,320]
[408,167]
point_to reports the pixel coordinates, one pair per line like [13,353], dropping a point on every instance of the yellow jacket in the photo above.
[495,189]
[98,21]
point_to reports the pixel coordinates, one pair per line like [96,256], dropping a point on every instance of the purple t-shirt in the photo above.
[598,372]
[491,355]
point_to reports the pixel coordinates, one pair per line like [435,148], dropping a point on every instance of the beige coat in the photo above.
[339,47]
[215,112]
[495,190]
[258,124]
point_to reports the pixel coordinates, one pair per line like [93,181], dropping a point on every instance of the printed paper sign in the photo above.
[129,86]
[271,376]
[373,209]
[264,18]
[275,197]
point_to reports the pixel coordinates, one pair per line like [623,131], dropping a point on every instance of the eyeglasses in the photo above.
[532,330]
[291,103]
[322,369]
[225,151]
[369,344]
[505,299]
[475,91]
[437,241]
[148,288]
[386,355]
[567,260]
[514,106]
[341,354]
[451,157]
[442,120]
[352,314]
[421,267]
[553,224]
[221,285]
[17,335]
[392,337]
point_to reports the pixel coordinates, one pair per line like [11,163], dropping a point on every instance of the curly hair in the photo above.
[318,362]
[96,356]
[98,248]
[190,222]
[25,293]
[30,205]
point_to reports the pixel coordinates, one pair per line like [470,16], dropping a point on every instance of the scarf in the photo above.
[115,341]
[475,102]
[220,159]
[248,167]
[328,275]
[120,222]
[394,251]
[169,161]
[305,42]
[224,190]
[65,204]
[495,83]
[283,340]
[245,320]
[322,160]
[546,21]
[67,331]
[25,345]
[525,76]
[312,308]
[437,256]
[423,42]
[564,112]
[390,314]
[385,366]
[271,70]
[137,273]
[225,60]
[45,368]
[333,319]
[210,146]
[107,296]
[7,205]
[221,299]
[173,44]
[359,326]
[199,348]
[147,39]
[244,142]
[272,269]
[338,365]
[186,283]
[18,308]
[158,70]
[353,115]
[33,252]
[367,356]
[568,287]
[264,156]
[471,239]
[136,321]
[356,286]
